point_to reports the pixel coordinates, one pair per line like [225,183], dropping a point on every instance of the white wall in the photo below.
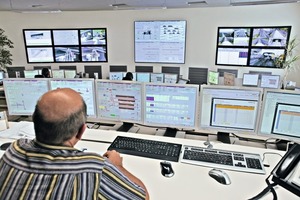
[202,26]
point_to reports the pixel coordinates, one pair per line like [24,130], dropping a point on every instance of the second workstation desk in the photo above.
[190,181]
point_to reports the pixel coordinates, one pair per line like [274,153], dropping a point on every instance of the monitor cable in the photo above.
[269,188]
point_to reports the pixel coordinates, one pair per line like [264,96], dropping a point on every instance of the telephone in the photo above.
[287,171]
[286,174]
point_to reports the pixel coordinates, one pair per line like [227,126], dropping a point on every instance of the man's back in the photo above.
[31,170]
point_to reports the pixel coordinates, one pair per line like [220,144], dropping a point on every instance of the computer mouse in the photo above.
[4,146]
[166,169]
[220,176]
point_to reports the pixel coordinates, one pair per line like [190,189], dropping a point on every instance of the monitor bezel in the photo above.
[162,125]
[141,121]
[230,130]
[264,107]
[250,85]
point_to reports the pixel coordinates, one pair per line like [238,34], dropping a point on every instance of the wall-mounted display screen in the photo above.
[252,46]
[160,41]
[65,45]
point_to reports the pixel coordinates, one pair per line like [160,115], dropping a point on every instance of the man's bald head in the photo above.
[58,116]
[59,104]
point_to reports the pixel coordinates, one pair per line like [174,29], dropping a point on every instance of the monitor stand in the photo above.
[223,137]
[125,127]
[170,132]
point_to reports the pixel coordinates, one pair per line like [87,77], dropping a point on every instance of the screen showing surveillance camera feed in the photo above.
[93,53]
[40,54]
[38,37]
[65,37]
[275,37]
[67,54]
[232,36]
[265,57]
[93,37]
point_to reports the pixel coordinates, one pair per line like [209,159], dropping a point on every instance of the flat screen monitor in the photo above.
[280,114]
[160,41]
[171,78]
[117,76]
[270,81]
[58,73]
[143,77]
[171,105]
[65,37]
[250,79]
[22,94]
[70,73]
[119,100]
[183,81]
[228,108]
[30,73]
[37,37]
[213,77]
[39,54]
[157,77]
[85,87]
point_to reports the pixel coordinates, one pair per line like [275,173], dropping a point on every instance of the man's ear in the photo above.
[81,131]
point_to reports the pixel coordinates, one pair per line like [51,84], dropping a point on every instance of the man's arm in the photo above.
[117,160]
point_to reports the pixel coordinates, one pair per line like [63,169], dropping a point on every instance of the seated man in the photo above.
[49,167]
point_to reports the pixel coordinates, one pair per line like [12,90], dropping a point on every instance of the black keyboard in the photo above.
[238,161]
[146,148]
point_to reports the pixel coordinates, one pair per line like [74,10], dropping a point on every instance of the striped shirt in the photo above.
[31,170]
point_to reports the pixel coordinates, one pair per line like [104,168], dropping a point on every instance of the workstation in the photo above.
[257,133]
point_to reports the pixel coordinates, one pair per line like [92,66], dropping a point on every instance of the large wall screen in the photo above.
[65,45]
[252,46]
[160,41]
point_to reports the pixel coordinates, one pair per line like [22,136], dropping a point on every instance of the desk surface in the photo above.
[190,181]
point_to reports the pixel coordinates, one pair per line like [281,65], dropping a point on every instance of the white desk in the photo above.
[190,181]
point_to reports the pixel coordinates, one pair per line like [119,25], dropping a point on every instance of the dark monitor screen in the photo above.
[22,94]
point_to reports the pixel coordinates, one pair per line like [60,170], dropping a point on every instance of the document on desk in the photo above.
[21,129]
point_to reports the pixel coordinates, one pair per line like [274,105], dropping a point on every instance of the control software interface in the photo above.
[85,87]
[119,100]
[22,94]
[281,114]
[160,41]
[230,108]
[171,105]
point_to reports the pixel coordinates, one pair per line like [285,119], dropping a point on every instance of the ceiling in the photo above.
[90,5]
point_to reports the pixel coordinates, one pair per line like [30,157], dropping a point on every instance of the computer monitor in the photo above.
[171,105]
[30,73]
[270,81]
[229,108]
[171,78]
[119,101]
[250,79]
[143,77]
[58,73]
[116,75]
[70,73]
[280,114]
[213,77]
[22,94]
[85,87]
[157,77]
[183,81]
